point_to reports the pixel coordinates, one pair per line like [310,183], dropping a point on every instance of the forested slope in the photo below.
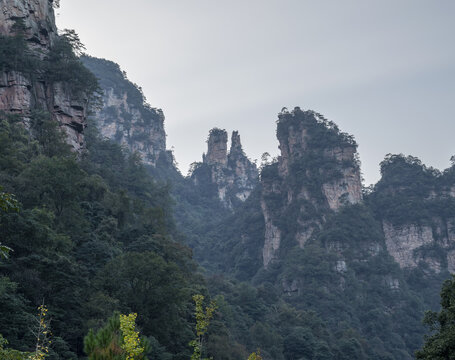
[303,263]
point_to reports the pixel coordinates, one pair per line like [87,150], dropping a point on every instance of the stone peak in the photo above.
[216,147]
[236,145]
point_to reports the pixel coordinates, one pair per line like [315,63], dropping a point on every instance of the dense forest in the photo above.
[108,252]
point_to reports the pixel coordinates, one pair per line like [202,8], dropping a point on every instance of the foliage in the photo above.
[202,323]
[42,335]
[16,56]
[117,340]
[62,65]
[131,343]
[441,343]
[97,235]
[8,202]
[10,354]
[77,216]
[322,133]
[403,195]
[255,355]
[110,76]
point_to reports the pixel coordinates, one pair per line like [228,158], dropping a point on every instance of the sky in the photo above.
[382,70]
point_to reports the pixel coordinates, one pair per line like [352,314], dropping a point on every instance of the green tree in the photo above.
[441,344]
[117,340]
[7,203]
[10,354]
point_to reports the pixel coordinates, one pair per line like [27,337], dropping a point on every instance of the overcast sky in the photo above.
[382,70]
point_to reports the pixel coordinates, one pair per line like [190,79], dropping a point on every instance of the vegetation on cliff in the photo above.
[98,234]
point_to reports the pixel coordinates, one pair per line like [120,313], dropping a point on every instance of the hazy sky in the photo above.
[382,70]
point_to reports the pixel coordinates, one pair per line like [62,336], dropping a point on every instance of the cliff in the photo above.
[124,116]
[44,75]
[37,18]
[416,206]
[316,173]
[231,177]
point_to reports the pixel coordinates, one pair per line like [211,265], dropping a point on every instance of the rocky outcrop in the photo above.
[412,245]
[37,17]
[416,207]
[231,176]
[15,95]
[402,242]
[216,148]
[347,189]
[272,237]
[19,94]
[244,173]
[316,172]
[125,117]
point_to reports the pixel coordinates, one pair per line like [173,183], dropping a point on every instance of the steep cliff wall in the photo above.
[24,85]
[230,176]
[37,17]
[417,208]
[317,172]
[125,117]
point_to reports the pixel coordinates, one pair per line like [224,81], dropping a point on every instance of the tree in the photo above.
[441,344]
[131,343]
[117,340]
[7,203]
[42,335]
[146,283]
[255,355]
[202,324]
[10,354]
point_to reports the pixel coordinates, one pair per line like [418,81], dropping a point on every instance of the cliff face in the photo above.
[20,93]
[125,117]
[317,172]
[416,207]
[231,176]
[37,16]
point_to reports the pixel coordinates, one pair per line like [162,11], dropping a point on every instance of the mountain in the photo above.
[302,261]
[231,177]
[367,261]
[318,171]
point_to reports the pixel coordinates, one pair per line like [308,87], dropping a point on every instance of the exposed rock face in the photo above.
[272,237]
[231,175]
[38,18]
[244,172]
[409,243]
[15,96]
[71,113]
[217,148]
[125,117]
[20,95]
[402,242]
[317,172]
[348,188]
